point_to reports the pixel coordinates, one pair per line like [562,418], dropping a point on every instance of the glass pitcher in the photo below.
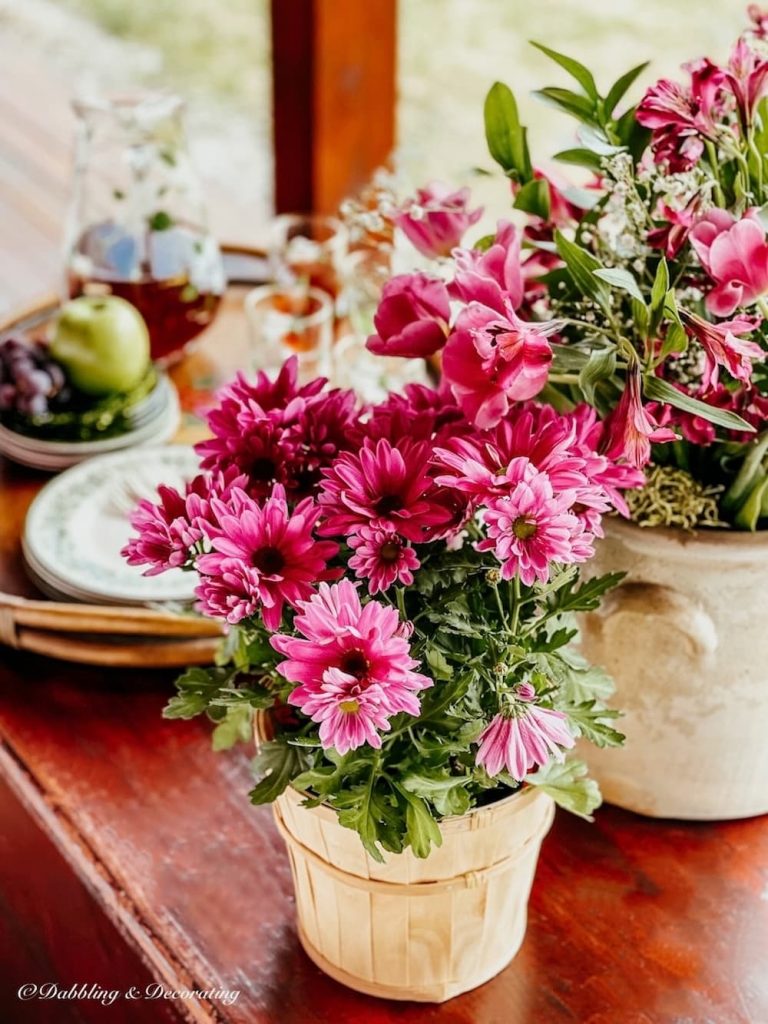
[137,225]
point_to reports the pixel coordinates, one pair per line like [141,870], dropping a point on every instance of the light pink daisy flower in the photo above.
[365,643]
[382,487]
[523,736]
[349,712]
[533,527]
[264,556]
[383,558]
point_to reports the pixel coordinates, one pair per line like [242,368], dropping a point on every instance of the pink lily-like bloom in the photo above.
[493,358]
[412,317]
[523,736]
[491,276]
[630,429]
[673,233]
[759,18]
[680,117]
[436,220]
[723,348]
[735,255]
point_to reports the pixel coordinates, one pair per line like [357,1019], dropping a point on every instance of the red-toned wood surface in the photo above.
[631,921]
[334,94]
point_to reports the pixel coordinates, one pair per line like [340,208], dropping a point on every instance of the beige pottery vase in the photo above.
[415,929]
[685,637]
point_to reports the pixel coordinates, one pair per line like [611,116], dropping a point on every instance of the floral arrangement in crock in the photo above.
[651,280]
[398,582]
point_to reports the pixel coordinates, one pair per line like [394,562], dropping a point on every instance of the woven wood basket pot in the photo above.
[685,639]
[422,930]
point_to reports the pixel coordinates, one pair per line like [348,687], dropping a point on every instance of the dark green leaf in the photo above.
[422,828]
[660,285]
[278,763]
[581,157]
[582,266]
[659,390]
[533,198]
[504,134]
[601,366]
[586,596]
[570,102]
[620,87]
[620,278]
[575,69]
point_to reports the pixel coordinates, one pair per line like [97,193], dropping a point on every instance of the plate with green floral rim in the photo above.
[79,522]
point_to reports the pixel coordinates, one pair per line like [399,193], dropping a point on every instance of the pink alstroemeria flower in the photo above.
[630,428]
[748,78]
[493,358]
[673,233]
[491,276]
[735,255]
[680,117]
[523,736]
[723,347]
[759,18]
[412,318]
[437,218]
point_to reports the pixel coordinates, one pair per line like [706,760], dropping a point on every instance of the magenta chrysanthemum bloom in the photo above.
[522,737]
[420,413]
[382,558]
[532,527]
[169,530]
[264,557]
[382,487]
[345,651]
[493,359]
[278,433]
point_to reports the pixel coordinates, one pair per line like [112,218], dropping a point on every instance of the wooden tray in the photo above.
[100,635]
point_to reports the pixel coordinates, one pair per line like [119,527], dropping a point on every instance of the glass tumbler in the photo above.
[286,321]
[308,249]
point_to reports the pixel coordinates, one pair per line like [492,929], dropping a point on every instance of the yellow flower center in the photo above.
[523,528]
[349,707]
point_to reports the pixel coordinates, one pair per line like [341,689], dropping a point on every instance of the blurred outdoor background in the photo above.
[217,54]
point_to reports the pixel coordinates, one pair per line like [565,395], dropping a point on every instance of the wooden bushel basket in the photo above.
[415,929]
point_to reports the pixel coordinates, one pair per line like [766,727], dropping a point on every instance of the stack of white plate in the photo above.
[155,422]
[79,522]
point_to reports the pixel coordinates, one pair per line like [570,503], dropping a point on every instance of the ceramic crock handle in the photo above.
[675,609]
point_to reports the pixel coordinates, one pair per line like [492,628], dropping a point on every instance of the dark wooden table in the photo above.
[131,858]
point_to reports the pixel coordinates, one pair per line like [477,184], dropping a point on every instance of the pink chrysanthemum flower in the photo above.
[523,736]
[365,643]
[169,530]
[350,713]
[532,527]
[419,414]
[264,557]
[278,433]
[382,558]
[382,487]
[477,465]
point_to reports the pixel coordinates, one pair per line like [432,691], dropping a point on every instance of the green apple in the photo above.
[102,342]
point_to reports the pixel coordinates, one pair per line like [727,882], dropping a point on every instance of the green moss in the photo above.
[671,497]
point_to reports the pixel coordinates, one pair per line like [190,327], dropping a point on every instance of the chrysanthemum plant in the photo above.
[655,271]
[399,582]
